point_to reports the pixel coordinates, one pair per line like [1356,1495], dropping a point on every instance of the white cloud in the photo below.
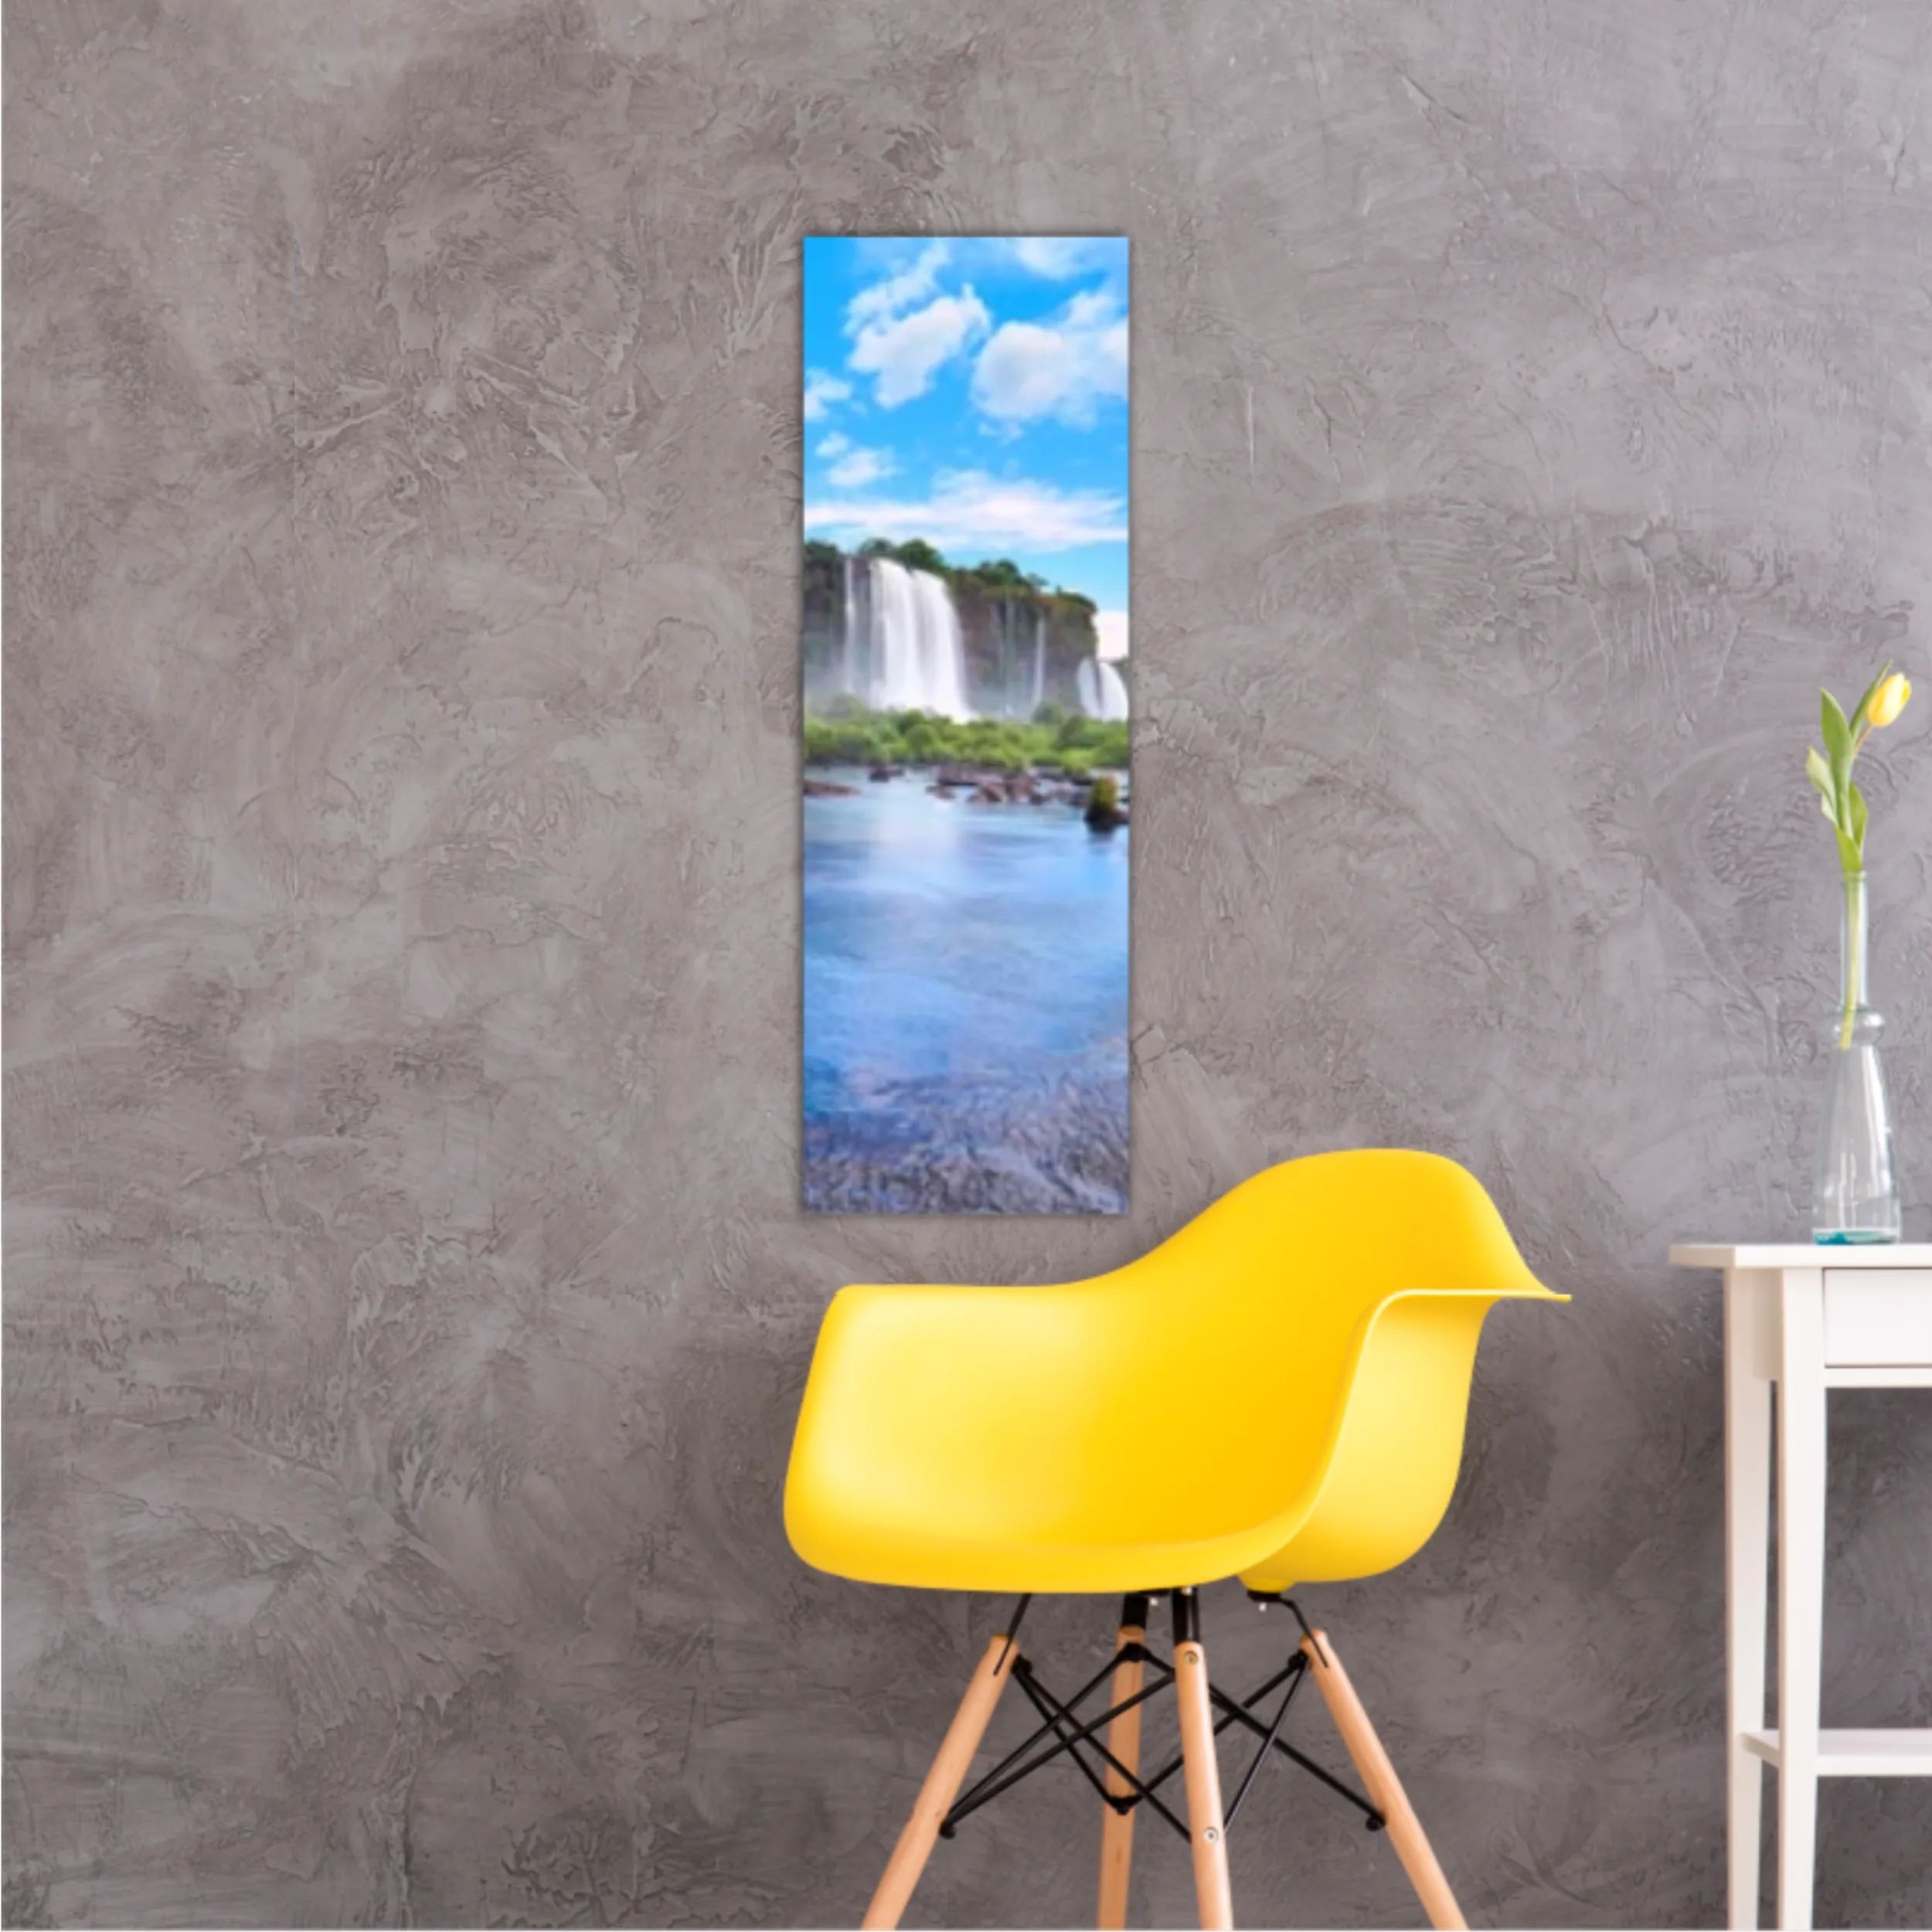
[861,467]
[1030,369]
[904,353]
[969,510]
[821,391]
[897,293]
[1110,629]
[1054,256]
[835,444]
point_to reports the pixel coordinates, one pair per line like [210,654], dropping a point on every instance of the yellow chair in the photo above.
[1304,1349]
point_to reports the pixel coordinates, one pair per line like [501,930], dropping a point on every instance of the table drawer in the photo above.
[1877,1317]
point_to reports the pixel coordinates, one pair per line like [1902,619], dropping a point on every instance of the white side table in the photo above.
[1808,1319]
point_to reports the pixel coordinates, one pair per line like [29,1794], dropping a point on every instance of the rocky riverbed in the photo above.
[979,785]
[1055,1144]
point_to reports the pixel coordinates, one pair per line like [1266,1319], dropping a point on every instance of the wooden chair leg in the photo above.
[1201,1769]
[1123,1743]
[942,1785]
[1384,1788]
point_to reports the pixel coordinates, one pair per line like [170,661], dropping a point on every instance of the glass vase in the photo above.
[1855,1196]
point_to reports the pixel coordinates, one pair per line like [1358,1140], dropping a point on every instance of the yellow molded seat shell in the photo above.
[1277,1391]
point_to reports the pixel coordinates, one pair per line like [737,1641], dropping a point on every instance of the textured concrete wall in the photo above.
[407,1299]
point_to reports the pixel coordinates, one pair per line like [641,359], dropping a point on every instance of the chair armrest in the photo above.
[1389,1463]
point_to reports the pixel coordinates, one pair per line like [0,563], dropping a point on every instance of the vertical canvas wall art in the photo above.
[966,682]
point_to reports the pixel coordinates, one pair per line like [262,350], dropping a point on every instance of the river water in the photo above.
[965,1004]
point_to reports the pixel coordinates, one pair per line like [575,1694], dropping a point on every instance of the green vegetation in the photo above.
[999,577]
[846,734]
[916,553]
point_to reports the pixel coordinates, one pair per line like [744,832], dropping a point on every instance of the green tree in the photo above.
[916,554]
[998,573]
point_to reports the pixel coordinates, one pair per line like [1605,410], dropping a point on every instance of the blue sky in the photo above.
[973,392]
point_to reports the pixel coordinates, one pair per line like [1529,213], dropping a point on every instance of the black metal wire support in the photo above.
[1003,1777]
[1014,1622]
[1042,1701]
[1267,1742]
[1063,1732]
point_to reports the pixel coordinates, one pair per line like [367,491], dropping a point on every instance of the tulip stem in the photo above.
[1854,956]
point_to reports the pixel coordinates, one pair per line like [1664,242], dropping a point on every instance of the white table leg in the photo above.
[1747,1523]
[1801,1585]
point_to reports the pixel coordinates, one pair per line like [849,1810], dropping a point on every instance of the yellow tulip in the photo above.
[1888,700]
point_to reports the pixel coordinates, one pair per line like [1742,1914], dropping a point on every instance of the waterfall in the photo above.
[1102,695]
[848,680]
[918,654]
[1003,611]
[1040,661]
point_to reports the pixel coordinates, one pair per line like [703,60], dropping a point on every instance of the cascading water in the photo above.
[1023,658]
[1008,693]
[849,680]
[1103,693]
[917,654]
[942,648]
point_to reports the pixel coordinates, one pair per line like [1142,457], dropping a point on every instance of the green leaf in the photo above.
[1871,691]
[1838,735]
[1859,814]
[1848,854]
[1820,774]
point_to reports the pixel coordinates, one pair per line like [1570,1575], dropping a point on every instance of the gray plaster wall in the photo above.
[407,1299]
